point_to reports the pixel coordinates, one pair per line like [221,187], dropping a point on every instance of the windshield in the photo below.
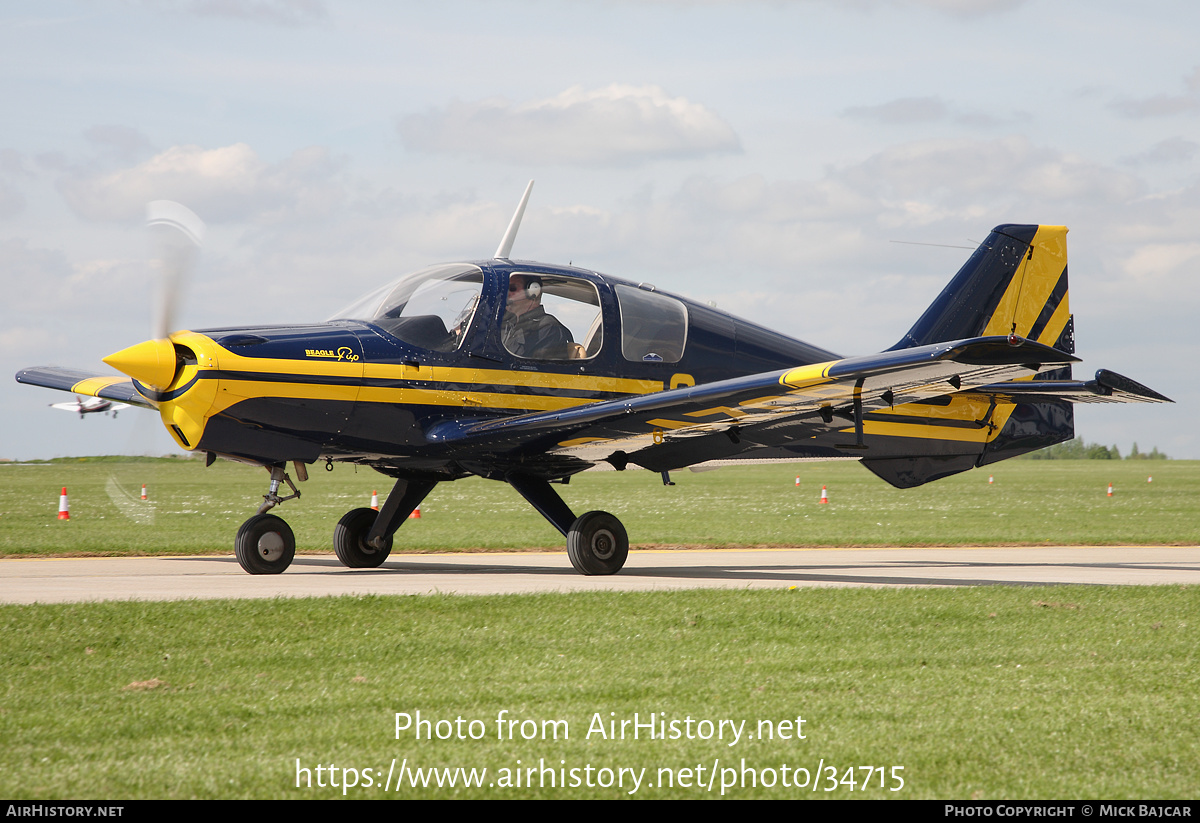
[431,308]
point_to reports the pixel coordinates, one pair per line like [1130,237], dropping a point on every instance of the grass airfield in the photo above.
[985,693]
[196,510]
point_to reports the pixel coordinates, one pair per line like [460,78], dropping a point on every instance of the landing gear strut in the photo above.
[265,543]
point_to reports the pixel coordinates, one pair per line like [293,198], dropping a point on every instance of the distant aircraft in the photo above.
[91,405]
[529,373]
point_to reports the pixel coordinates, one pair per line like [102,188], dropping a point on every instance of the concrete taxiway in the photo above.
[61,580]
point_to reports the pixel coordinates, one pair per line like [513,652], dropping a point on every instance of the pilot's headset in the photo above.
[533,286]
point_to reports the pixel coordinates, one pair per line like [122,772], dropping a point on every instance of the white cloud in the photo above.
[32,277]
[273,12]
[903,111]
[966,8]
[999,173]
[953,8]
[1171,150]
[122,141]
[910,111]
[12,202]
[1161,269]
[227,183]
[1160,105]
[613,126]
[1164,105]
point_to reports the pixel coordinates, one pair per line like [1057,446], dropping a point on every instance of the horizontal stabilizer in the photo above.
[110,387]
[1107,387]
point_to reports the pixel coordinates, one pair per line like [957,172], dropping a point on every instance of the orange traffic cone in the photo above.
[143,491]
[991,480]
[375,499]
[416,514]
[1110,489]
[1150,479]
[64,507]
[824,496]
[797,481]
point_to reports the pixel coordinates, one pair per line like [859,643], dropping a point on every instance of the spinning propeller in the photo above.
[176,233]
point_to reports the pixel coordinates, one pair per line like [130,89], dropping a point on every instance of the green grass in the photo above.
[994,692]
[193,509]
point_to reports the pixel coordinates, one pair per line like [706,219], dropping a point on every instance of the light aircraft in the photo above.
[528,373]
[91,405]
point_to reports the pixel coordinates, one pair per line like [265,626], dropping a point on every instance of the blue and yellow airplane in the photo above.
[530,373]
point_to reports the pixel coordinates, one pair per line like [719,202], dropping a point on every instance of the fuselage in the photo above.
[365,388]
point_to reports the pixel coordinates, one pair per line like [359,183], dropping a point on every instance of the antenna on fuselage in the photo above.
[505,247]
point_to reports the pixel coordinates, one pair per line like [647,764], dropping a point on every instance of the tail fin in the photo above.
[1014,283]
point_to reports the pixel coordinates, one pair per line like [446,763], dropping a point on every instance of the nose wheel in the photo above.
[265,545]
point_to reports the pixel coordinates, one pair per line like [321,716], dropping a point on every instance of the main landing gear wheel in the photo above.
[265,545]
[597,544]
[350,540]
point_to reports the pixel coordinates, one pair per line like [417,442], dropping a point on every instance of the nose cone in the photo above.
[151,362]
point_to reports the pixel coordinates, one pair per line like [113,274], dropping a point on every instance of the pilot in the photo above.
[527,331]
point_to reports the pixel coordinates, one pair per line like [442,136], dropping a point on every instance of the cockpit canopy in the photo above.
[547,316]
[431,308]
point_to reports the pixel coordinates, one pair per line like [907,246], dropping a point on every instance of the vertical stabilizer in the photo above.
[1014,283]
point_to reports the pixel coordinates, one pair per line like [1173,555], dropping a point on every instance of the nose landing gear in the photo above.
[265,544]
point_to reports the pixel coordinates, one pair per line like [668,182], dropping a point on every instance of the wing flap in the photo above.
[110,387]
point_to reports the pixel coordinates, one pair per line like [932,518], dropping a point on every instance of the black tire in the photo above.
[350,540]
[597,544]
[265,545]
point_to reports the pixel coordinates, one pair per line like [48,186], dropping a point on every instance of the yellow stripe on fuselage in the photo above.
[470,386]
[928,431]
[537,380]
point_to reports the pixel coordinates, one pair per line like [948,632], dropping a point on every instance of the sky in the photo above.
[822,167]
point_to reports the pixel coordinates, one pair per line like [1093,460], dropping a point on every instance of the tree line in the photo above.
[1078,449]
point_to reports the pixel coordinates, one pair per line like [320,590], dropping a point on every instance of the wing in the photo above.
[79,382]
[675,428]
